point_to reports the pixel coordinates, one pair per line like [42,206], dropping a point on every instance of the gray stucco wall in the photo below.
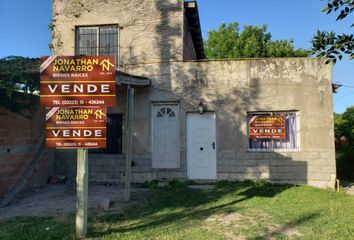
[151,30]
[231,89]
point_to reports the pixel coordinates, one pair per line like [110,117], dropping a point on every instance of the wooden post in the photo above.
[81,192]
[128,154]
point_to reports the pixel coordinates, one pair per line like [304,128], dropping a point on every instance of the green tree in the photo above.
[332,45]
[253,41]
[345,125]
[344,132]
[338,123]
[19,79]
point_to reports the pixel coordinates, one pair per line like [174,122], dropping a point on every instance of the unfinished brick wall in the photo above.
[20,138]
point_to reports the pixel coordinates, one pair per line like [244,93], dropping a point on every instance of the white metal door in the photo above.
[201,146]
[165,136]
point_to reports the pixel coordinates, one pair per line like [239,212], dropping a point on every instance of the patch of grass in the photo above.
[243,210]
[24,228]
[151,184]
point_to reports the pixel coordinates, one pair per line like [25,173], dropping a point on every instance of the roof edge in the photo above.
[192,14]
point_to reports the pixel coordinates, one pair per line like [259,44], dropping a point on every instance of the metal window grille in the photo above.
[97,41]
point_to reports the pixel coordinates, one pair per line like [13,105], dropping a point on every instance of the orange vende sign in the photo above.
[78,81]
[267,127]
[73,127]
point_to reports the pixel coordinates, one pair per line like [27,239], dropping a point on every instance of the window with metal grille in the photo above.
[97,41]
[273,131]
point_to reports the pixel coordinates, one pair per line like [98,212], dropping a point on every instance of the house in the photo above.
[259,119]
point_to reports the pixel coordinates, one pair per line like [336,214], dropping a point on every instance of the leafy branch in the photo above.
[329,44]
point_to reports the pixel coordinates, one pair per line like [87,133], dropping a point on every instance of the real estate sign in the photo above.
[73,127]
[267,127]
[77,81]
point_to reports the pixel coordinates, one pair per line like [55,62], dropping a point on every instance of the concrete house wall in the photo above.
[233,88]
[153,44]
[151,30]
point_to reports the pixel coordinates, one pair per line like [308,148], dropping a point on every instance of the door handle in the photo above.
[213,145]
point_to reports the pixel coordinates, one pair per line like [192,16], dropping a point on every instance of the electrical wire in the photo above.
[346,95]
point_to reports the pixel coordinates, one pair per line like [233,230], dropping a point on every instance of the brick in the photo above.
[9,175]
[250,163]
[243,156]
[326,169]
[250,176]
[141,177]
[269,155]
[288,169]
[238,162]
[26,133]
[327,156]
[177,175]
[284,155]
[141,169]
[228,161]
[312,155]
[298,156]
[320,176]
[21,141]
[143,161]
[281,176]
[255,155]
[276,162]
[163,175]
[143,155]
[6,185]
[9,141]
[318,162]
[229,155]
[22,156]
[264,162]
[181,175]
[239,169]
[257,169]
[224,176]
[264,176]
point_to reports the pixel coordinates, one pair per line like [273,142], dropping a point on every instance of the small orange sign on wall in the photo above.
[73,127]
[267,127]
[78,81]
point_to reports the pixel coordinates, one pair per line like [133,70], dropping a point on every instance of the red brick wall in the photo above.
[19,139]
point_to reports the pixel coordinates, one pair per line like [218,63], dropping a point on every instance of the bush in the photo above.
[345,162]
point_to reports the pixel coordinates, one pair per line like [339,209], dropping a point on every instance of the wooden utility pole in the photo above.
[128,154]
[81,192]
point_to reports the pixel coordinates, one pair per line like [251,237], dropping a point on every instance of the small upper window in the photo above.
[166,112]
[273,131]
[97,41]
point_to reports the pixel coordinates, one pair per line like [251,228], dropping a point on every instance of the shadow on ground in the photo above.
[178,204]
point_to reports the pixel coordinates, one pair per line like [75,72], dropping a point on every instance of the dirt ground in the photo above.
[60,199]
